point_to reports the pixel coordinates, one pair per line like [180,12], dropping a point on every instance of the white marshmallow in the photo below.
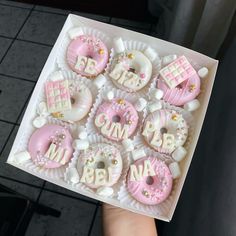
[128,145]
[150,53]
[105,191]
[75,32]
[72,175]
[82,133]
[21,157]
[175,170]
[179,153]
[42,109]
[203,72]
[55,76]
[140,104]
[100,81]
[118,45]
[168,59]
[39,121]
[192,105]
[156,94]
[80,144]
[109,95]
[154,106]
[138,153]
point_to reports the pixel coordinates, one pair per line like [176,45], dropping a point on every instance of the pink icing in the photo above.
[87,46]
[187,82]
[41,140]
[159,190]
[125,111]
[181,94]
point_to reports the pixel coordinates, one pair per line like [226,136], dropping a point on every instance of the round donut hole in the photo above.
[116,119]
[149,180]
[101,165]
[72,100]
[163,130]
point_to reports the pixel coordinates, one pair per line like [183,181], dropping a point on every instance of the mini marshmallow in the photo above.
[156,94]
[138,153]
[100,81]
[109,95]
[55,76]
[128,145]
[168,59]
[105,191]
[75,32]
[179,153]
[140,104]
[203,72]
[118,45]
[39,121]
[21,157]
[80,144]
[150,53]
[42,109]
[175,170]
[82,133]
[73,176]
[154,106]
[192,105]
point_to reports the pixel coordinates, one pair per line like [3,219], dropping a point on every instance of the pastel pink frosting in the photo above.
[40,141]
[90,47]
[160,188]
[181,94]
[126,112]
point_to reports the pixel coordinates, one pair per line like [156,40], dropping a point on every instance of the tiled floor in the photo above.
[27,34]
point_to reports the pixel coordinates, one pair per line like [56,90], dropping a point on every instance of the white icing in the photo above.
[88,64]
[57,154]
[110,95]
[109,128]
[136,174]
[57,75]
[100,176]
[168,141]
[148,128]
[179,153]
[42,109]
[21,157]
[175,170]
[88,175]
[192,105]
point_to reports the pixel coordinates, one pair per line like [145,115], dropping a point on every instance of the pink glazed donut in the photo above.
[151,188]
[116,119]
[187,90]
[87,55]
[51,146]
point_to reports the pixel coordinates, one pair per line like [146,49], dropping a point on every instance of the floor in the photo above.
[27,34]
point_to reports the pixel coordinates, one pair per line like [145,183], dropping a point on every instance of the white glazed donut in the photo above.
[100,165]
[165,130]
[131,70]
[81,102]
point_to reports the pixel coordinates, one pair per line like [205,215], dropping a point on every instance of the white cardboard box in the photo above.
[163,48]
